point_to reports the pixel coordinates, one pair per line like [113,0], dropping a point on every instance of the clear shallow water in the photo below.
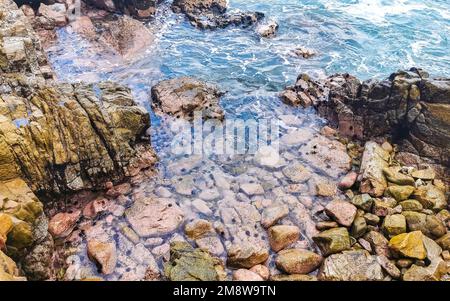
[365,38]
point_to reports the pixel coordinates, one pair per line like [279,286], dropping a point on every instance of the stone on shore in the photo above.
[433,272]
[103,254]
[246,256]
[351,266]
[246,275]
[394,224]
[374,161]
[409,245]
[282,236]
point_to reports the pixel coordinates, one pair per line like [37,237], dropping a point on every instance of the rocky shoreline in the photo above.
[79,199]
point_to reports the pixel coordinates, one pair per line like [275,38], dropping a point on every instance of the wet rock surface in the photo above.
[182,97]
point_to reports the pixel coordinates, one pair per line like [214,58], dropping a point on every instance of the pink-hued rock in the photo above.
[341,211]
[261,270]
[348,180]
[62,224]
[246,275]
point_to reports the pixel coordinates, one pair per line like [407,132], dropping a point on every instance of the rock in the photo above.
[359,227]
[294,277]
[272,215]
[297,173]
[246,275]
[378,243]
[282,236]
[385,206]
[251,189]
[394,224]
[151,216]
[424,174]
[268,156]
[189,264]
[325,189]
[404,263]
[199,6]
[400,193]
[304,52]
[198,228]
[411,205]
[394,175]
[374,161]
[341,211]
[210,244]
[444,242]
[21,236]
[202,207]
[409,245]
[183,96]
[389,267]
[103,254]
[6,225]
[363,202]
[433,249]
[433,272]
[62,224]
[51,16]
[246,256]
[348,180]
[296,261]
[326,225]
[267,29]
[430,197]
[8,269]
[443,215]
[429,225]
[326,155]
[351,266]
[38,263]
[371,219]
[262,271]
[333,241]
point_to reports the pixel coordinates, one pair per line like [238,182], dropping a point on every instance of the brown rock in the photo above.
[62,224]
[103,254]
[296,261]
[282,236]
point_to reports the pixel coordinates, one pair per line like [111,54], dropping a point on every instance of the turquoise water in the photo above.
[367,38]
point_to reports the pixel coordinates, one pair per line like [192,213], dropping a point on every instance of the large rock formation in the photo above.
[408,105]
[211,14]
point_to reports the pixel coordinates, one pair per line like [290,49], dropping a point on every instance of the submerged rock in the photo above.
[351,266]
[246,275]
[189,264]
[103,254]
[296,261]
[333,241]
[182,97]
[267,29]
[62,224]
[246,256]
[152,216]
[282,236]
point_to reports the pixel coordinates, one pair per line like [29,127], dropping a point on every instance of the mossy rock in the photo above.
[21,236]
[189,264]
[333,241]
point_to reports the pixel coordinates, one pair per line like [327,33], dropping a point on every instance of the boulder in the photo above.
[267,29]
[297,261]
[351,266]
[282,236]
[142,9]
[154,216]
[189,264]
[333,241]
[409,245]
[8,269]
[183,96]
